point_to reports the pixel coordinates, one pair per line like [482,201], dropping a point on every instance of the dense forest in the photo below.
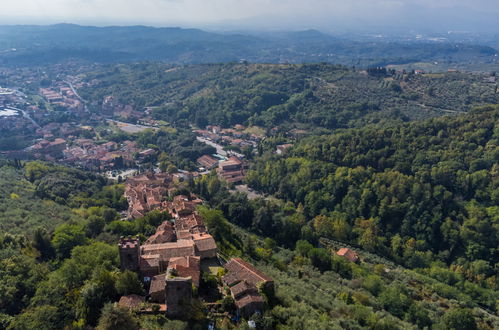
[322,95]
[424,194]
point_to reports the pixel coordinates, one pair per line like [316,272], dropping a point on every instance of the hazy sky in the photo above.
[250,13]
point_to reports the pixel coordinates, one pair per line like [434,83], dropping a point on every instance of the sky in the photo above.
[258,14]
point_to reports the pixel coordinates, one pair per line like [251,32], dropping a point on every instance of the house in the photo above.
[187,267]
[232,170]
[146,153]
[208,162]
[157,289]
[239,270]
[133,302]
[169,250]
[165,233]
[244,282]
[192,223]
[348,254]
[205,245]
[183,205]
[283,147]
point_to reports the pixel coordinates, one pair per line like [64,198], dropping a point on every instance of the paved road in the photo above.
[220,149]
[25,115]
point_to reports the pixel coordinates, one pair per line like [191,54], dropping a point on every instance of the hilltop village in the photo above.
[171,261]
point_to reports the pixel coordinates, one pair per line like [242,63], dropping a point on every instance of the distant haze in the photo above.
[329,15]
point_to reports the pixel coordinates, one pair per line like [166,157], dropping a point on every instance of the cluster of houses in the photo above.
[10,96]
[112,107]
[13,123]
[149,191]
[62,96]
[85,153]
[231,170]
[170,260]
[235,136]
[48,150]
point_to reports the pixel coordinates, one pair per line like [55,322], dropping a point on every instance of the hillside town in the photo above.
[171,261]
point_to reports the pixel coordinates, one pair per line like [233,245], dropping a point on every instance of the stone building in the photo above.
[244,282]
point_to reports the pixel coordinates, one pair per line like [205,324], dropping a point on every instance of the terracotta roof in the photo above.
[231,279]
[240,270]
[232,161]
[150,261]
[166,251]
[165,225]
[183,234]
[207,161]
[187,267]
[349,254]
[157,284]
[204,242]
[132,301]
[190,222]
[241,288]
[247,299]
[161,236]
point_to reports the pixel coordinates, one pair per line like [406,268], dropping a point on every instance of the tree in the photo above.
[303,248]
[320,258]
[43,317]
[419,316]
[66,237]
[117,318]
[373,284]
[41,242]
[216,223]
[395,301]
[459,319]
[128,283]
[94,225]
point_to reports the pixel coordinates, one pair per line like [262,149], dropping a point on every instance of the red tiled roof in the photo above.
[150,261]
[207,161]
[247,299]
[182,248]
[187,267]
[132,301]
[157,284]
[240,270]
[204,242]
[190,222]
[349,254]
[241,288]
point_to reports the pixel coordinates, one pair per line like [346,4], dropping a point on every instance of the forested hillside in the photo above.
[425,194]
[267,95]
[21,209]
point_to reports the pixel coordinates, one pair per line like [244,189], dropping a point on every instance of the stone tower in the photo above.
[178,294]
[129,249]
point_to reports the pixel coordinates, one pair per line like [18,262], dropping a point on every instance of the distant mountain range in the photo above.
[39,45]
